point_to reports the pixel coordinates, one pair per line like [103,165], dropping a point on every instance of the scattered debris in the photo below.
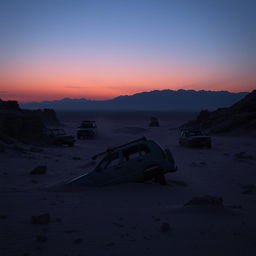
[41,219]
[165,227]
[206,200]
[41,169]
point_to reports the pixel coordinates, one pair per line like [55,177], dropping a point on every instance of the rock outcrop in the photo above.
[25,126]
[239,117]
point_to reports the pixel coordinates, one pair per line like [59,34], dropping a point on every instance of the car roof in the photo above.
[123,146]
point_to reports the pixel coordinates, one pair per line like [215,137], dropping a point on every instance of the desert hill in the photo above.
[165,100]
[240,116]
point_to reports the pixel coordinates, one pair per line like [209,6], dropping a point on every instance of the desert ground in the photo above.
[135,218]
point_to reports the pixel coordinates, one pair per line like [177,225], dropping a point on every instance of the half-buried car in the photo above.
[87,130]
[58,137]
[136,161]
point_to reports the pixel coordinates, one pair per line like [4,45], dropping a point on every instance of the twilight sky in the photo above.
[99,49]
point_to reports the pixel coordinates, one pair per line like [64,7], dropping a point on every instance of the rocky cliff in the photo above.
[239,117]
[23,125]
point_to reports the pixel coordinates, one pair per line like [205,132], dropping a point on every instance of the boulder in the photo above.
[205,200]
[41,169]
[41,219]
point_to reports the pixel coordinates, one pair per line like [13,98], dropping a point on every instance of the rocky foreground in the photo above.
[207,208]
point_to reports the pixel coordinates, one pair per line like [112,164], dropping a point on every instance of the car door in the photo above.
[135,161]
[109,170]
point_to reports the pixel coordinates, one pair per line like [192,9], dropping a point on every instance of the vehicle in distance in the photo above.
[194,138]
[58,137]
[87,130]
[136,161]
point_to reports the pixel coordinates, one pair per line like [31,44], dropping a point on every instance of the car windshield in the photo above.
[193,133]
[135,151]
[109,161]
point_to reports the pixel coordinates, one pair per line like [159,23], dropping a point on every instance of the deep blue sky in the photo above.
[104,48]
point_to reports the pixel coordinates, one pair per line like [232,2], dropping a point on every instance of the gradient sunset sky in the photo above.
[51,49]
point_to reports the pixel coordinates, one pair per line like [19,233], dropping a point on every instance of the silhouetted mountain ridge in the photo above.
[169,100]
[241,116]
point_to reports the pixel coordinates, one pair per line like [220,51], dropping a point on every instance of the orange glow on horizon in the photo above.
[48,80]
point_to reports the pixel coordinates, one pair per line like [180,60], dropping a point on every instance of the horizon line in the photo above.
[127,95]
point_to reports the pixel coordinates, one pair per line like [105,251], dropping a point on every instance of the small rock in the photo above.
[165,227]
[36,150]
[244,155]
[70,231]
[119,225]
[234,206]
[19,149]
[41,169]
[249,189]
[41,219]
[76,158]
[2,148]
[110,244]
[41,238]
[78,241]
[58,219]
[206,200]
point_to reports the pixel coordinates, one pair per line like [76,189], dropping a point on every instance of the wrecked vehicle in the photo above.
[154,122]
[58,137]
[136,161]
[194,138]
[87,130]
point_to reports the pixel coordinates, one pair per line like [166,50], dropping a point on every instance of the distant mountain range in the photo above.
[165,100]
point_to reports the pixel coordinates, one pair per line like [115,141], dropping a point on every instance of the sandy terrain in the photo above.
[127,219]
